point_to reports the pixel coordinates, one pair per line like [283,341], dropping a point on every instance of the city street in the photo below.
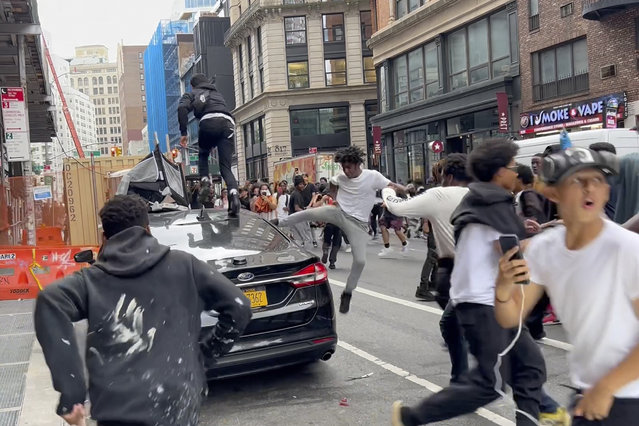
[390,348]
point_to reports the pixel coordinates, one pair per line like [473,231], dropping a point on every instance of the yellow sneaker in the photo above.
[558,418]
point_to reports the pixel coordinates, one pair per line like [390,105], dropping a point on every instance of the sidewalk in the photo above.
[26,393]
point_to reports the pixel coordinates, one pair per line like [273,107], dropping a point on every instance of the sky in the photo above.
[71,23]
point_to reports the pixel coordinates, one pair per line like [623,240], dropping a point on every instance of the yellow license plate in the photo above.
[257,298]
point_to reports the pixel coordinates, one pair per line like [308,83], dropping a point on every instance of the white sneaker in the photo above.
[348,248]
[386,252]
[405,248]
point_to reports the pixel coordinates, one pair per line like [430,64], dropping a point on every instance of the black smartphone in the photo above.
[507,242]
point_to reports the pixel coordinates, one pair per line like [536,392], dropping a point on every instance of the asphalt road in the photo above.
[390,348]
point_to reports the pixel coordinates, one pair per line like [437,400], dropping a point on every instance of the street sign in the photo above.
[42,192]
[15,123]
[312,150]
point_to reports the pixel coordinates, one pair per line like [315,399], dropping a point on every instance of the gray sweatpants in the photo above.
[356,231]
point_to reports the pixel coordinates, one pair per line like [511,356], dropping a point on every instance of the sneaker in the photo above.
[405,247]
[550,319]
[345,302]
[315,245]
[325,258]
[558,418]
[386,252]
[234,203]
[396,416]
[331,266]
[425,295]
[375,237]
[348,248]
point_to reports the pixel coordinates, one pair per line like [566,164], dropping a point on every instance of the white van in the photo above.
[624,140]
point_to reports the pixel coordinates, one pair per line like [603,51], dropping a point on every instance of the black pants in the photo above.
[535,321]
[457,347]
[332,241]
[624,412]
[430,265]
[376,213]
[523,368]
[217,132]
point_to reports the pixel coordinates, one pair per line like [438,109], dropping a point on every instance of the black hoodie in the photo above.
[143,303]
[488,204]
[214,102]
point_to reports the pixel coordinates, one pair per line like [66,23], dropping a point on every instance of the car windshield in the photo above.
[213,236]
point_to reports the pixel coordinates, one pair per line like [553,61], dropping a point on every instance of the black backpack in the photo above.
[201,98]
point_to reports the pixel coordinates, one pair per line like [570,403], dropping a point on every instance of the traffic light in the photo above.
[174,153]
[113,151]
[119,151]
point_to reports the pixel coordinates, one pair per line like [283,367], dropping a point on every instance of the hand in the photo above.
[510,272]
[76,417]
[595,404]
[532,227]
[184,141]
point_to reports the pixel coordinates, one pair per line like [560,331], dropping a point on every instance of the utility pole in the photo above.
[26,165]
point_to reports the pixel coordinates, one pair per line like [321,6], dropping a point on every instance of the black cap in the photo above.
[560,165]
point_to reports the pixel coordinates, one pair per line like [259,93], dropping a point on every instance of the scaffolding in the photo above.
[163,82]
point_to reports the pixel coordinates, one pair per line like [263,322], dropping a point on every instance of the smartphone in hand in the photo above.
[507,242]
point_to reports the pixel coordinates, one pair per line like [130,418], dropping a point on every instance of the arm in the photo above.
[397,187]
[632,224]
[332,189]
[184,107]
[57,307]
[418,206]
[234,309]
[272,202]
[508,295]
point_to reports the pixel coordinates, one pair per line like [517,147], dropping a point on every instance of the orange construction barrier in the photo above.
[24,271]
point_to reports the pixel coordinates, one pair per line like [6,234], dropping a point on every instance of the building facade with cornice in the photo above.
[304,80]
[441,67]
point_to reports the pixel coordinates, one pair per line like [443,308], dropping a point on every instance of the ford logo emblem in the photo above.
[245,276]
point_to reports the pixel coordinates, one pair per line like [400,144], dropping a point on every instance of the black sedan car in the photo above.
[293,315]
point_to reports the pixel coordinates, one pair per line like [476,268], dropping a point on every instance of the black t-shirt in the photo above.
[297,199]
[307,193]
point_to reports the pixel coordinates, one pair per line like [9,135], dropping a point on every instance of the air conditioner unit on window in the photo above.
[608,71]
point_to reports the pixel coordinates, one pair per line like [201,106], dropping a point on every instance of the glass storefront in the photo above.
[406,157]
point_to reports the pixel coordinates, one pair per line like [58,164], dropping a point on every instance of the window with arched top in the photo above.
[101,80]
[72,82]
[108,79]
[94,81]
[80,82]
[86,81]
[115,80]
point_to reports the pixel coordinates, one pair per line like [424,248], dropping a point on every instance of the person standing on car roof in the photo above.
[354,191]
[217,129]
[143,303]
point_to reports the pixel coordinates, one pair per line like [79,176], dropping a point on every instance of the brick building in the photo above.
[579,62]
[442,65]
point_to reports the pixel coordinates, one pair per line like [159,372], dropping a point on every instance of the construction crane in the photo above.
[65,108]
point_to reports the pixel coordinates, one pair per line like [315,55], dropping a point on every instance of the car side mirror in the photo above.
[84,256]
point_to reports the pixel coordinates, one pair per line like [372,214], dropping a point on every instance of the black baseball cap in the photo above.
[558,166]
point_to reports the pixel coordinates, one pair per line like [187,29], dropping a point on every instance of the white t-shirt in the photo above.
[356,196]
[282,202]
[437,205]
[592,290]
[476,266]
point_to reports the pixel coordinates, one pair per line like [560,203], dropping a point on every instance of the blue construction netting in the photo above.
[162,82]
